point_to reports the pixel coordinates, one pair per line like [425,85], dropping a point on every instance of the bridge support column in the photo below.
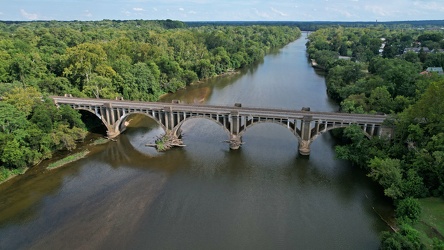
[109,119]
[235,138]
[112,131]
[235,142]
[304,144]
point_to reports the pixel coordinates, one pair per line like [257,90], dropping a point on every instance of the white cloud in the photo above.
[154,8]
[138,9]
[181,9]
[342,12]
[378,10]
[88,13]
[278,12]
[430,6]
[261,14]
[29,16]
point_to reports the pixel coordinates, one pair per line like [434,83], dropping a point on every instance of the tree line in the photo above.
[376,75]
[316,25]
[136,60]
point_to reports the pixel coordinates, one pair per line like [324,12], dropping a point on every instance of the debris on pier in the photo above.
[166,141]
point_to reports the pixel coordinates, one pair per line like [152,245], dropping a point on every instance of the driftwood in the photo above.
[234,144]
[166,141]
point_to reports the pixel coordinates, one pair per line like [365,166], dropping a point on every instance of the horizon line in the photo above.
[264,21]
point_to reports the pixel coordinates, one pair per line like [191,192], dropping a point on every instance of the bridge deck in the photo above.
[219,109]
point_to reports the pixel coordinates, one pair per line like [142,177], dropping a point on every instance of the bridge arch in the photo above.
[316,132]
[94,115]
[289,125]
[90,111]
[120,123]
[176,129]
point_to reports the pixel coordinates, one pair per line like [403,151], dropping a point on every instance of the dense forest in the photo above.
[380,70]
[315,25]
[136,60]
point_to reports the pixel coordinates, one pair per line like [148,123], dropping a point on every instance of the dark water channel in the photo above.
[204,196]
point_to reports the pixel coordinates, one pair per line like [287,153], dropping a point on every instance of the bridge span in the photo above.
[235,120]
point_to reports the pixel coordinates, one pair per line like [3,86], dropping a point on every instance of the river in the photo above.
[125,195]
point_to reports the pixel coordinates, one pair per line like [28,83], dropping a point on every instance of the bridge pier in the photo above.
[108,117]
[304,148]
[304,144]
[235,137]
[235,142]
[112,131]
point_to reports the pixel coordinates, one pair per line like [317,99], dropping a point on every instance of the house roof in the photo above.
[434,69]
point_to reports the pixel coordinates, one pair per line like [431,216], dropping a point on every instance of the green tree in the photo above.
[69,116]
[406,238]
[65,138]
[350,106]
[99,87]
[13,155]
[388,173]
[24,99]
[204,69]
[429,110]
[401,73]
[82,61]
[360,150]
[408,210]
[380,100]
[42,117]
[11,118]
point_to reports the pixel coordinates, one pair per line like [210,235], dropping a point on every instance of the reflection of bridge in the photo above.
[305,125]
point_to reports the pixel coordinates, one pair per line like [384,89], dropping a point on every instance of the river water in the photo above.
[125,195]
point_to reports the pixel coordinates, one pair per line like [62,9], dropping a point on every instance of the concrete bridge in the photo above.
[235,120]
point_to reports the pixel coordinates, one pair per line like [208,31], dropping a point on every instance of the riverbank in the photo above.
[54,162]
[8,174]
[85,150]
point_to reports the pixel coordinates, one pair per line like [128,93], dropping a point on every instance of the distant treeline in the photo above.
[302,25]
[315,25]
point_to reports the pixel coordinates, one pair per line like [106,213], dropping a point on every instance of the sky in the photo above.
[222,10]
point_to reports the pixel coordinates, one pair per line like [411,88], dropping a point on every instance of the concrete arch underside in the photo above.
[290,126]
[177,129]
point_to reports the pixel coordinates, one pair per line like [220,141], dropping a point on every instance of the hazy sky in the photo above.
[223,10]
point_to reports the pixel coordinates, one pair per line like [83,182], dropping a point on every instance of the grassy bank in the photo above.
[68,159]
[99,141]
[6,174]
[431,224]
[76,156]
